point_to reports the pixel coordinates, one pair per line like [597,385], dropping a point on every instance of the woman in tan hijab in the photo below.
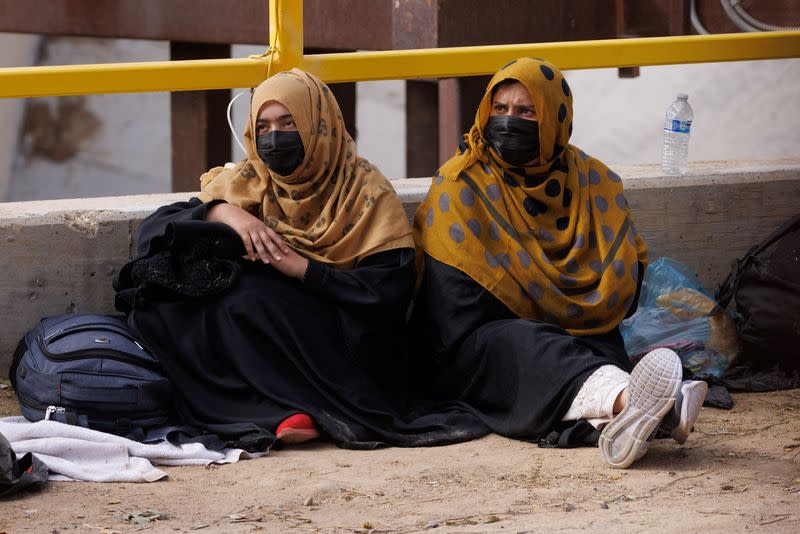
[276,299]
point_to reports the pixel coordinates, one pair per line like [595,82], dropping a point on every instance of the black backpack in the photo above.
[766,286]
[91,371]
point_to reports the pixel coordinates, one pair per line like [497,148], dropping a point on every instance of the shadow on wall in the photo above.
[57,129]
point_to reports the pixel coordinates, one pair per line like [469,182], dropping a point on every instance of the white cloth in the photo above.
[595,400]
[77,453]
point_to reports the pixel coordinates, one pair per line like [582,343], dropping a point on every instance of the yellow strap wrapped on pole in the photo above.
[286,32]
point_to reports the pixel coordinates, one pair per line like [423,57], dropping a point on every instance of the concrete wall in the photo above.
[61,256]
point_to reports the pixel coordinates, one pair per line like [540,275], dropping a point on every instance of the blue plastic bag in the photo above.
[676,312]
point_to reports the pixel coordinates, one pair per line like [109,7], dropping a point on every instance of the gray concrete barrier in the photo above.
[61,256]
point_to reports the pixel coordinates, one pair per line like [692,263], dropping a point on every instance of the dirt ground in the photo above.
[739,471]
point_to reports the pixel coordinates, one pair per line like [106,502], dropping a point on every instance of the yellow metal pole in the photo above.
[396,64]
[476,60]
[286,34]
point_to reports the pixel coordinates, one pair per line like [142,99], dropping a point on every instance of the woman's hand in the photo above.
[292,264]
[260,241]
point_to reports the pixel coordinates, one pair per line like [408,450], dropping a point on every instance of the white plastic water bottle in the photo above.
[675,154]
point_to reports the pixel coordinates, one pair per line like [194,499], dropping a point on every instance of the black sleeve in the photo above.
[153,228]
[449,306]
[372,303]
[377,279]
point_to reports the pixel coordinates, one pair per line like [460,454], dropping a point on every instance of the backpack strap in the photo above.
[727,289]
[22,346]
[789,226]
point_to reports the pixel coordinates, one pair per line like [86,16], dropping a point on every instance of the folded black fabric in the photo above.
[575,434]
[751,378]
[16,475]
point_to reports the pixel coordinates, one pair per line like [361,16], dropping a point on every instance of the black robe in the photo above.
[246,346]
[518,375]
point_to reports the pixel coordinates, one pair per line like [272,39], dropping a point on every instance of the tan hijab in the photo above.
[553,240]
[335,207]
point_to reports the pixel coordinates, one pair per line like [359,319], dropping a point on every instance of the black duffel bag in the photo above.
[766,286]
[91,371]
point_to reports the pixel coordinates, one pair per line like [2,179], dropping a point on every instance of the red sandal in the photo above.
[297,429]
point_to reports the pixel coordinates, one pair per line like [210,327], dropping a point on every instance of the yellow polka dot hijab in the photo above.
[554,239]
[335,207]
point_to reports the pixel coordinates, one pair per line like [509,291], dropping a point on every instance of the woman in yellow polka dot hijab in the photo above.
[531,262]
[552,237]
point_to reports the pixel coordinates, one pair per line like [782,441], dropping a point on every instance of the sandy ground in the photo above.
[740,471]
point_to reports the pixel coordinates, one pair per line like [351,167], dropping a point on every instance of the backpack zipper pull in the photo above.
[51,410]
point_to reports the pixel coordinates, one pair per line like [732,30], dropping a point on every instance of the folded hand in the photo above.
[260,241]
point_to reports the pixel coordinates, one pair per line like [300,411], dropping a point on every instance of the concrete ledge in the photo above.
[60,256]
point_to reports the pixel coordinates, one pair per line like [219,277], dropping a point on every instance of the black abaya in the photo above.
[518,375]
[261,346]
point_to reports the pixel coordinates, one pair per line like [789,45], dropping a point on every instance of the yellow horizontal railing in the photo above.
[131,77]
[475,60]
[286,38]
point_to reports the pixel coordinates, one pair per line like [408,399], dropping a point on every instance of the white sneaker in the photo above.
[654,385]
[680,420]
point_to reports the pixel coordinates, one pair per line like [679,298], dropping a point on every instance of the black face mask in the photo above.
[515,140]
[281,151]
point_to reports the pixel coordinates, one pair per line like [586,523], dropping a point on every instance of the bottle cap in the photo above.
[683,96]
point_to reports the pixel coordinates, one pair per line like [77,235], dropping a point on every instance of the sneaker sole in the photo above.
[694,395]
[654,385]
[292,436]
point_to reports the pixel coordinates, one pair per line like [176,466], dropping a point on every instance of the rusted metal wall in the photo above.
[340,24]
[671,17]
